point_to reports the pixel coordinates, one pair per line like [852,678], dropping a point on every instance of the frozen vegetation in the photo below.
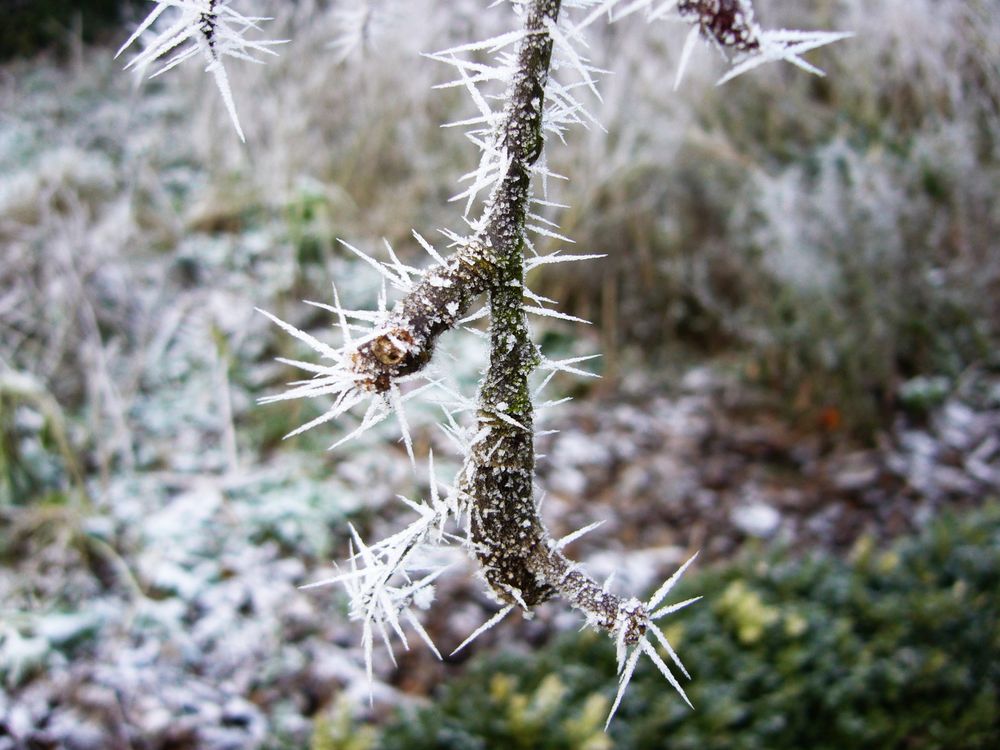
[829,239]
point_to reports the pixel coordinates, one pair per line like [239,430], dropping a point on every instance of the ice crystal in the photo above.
[382,582]
[344,377]
[210,29]
[635,622]
[731,27]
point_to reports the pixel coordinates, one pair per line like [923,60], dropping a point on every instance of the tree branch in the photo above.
[520,561]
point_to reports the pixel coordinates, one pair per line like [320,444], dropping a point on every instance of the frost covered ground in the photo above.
[155,528]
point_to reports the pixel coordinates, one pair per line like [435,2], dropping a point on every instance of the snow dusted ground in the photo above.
[169,615]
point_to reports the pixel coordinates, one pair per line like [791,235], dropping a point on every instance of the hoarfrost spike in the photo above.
[570,538]
[670,609]
[661,592]
[543,260]
[787,46]
[302,336]
[664,670]
[207,28]
[543,312]
[668,648]
[686,52]
[429,248]
[484,627]
[626,667]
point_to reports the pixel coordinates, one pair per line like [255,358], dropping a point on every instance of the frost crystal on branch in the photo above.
[730,26]
[210,29]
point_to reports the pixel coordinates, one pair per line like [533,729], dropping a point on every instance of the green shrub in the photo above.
[898,648]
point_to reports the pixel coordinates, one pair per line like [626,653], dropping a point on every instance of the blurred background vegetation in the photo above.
[824,248]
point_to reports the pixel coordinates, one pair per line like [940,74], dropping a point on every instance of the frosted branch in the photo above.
[209,29]
[494,493]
